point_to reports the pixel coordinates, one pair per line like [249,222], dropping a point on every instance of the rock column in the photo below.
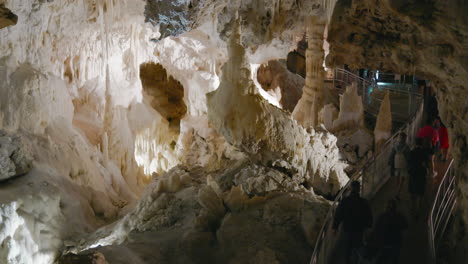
[306,111]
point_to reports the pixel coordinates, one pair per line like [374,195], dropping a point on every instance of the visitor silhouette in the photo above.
[356,215]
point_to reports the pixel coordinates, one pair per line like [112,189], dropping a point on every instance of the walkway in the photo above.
[375,172]
[415,238]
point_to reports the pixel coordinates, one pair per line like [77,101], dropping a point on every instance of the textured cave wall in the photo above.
[426,38]
[263,22]
[7,18]
[274,77]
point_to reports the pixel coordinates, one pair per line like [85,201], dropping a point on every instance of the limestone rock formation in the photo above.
[15,156]
[351,113]
[327,116]
[275,139]
[275,78]
[383,126]
[224,223]
[355,143]
[311,102]
[239,181]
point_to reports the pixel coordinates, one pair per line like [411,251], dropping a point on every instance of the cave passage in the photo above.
[166,94]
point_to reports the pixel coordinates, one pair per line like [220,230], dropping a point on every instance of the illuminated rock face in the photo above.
[275,138]
[427,39]
[275,78]
[248,167]
[70,79]
[307,110]
[351,113]
[242,169]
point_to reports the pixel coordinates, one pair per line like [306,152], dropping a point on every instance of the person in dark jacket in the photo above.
[419,166]
[355,214]
[389,233]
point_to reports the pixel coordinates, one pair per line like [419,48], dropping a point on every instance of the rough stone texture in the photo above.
[359,140]
[224,225]
[267,134]
[428,38]
[275,77]
[7,18]
[263,21]
[173,17]
[15,156]
[351,113]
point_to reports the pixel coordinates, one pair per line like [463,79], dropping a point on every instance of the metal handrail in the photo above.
[360,175]
[347,78]
[441,210]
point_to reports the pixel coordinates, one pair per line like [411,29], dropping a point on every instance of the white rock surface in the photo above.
[70,77]
[327,116]
[275,138]
[351,113]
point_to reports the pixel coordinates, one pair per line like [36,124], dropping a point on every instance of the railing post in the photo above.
[410,100]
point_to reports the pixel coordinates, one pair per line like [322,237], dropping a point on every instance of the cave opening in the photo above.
[166,93]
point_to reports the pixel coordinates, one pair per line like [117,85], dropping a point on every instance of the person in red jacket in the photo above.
[444,141]
[430,135]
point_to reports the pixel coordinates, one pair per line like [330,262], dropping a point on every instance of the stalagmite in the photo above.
[351,113]
[306,111]
[135,132]
[327,116]
[383,126]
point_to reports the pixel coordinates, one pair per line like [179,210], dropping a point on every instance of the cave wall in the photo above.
[275,78]
[425,38]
